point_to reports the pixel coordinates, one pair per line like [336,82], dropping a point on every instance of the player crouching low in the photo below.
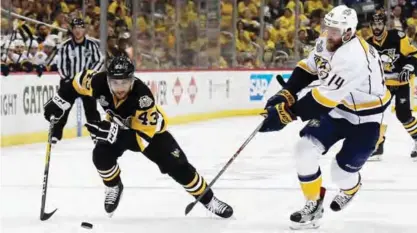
[134,123]
[348,104]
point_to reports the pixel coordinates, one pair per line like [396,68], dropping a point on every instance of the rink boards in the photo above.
[186,96]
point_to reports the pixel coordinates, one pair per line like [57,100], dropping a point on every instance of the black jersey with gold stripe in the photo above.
[137,111]
[395,51]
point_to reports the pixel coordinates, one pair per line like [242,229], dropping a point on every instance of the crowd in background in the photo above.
[162,39]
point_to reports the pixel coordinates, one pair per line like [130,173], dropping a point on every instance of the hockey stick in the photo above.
[280,80]
[192,204]
[45,216]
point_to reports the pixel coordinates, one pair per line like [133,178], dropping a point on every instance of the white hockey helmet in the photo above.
[34,44]
[342,18]
[18,43]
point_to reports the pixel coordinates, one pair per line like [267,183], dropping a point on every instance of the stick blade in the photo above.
[189,208]
[45,216]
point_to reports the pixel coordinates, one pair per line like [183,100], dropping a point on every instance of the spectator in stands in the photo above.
[326,6]
[291,5]
[273,11]
[365,32]
[316,19]
[397,18]
[42,31]
[278,33]
[311,5]
[412,21]
[287,20]
[247,5]
[302,44]
[226,9]
[411,32]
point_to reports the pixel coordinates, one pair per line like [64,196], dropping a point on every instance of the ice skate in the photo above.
[342,199]
[219,208]
[112,199]
[309,216]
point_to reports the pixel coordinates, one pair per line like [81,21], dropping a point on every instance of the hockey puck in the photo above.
[87,225]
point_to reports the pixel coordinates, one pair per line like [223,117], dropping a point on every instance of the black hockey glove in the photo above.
[277,117]
[283,96]
[56,106]
[103,131]
[406,73]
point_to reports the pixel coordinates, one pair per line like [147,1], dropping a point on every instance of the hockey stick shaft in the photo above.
[191,205]
[280,80]
[45,216]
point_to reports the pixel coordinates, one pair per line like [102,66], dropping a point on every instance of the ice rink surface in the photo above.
[261,185]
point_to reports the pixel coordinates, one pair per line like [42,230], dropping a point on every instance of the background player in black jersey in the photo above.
[134,122]
[399,60]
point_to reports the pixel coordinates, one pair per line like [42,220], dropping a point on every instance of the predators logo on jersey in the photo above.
[323,66]
[388,58]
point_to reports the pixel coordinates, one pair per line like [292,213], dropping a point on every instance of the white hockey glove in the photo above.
[103,131]
[406,73]
[55,106]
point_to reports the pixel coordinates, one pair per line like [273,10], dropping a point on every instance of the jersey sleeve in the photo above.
[82,82]
[346,74]
[79,86]
[408,50]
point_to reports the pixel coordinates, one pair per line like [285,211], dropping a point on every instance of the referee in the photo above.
[75,55]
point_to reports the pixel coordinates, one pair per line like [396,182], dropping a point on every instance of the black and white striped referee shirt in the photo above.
[76,57]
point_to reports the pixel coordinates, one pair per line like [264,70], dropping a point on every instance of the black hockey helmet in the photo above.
[379,17]
[77,22]
[120,67]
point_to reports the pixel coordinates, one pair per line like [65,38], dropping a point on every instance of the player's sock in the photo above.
[344,197]
[379,148]
[195,185]
[411,127]
[310,214]
[311,184]
[111,177]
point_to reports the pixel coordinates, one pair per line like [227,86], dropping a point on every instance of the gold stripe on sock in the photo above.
[113,176]
[411,124]
[311,189]
[200,190]
[354,190]
[193,182]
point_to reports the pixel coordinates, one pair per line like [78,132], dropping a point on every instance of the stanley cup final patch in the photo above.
[145,101]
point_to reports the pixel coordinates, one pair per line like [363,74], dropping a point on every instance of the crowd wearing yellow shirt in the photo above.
[162,34]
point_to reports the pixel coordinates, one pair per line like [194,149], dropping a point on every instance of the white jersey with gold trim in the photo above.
[351,80]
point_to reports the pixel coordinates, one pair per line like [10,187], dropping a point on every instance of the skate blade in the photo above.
[110,214]
[314,224]
[375,158]
[414,159]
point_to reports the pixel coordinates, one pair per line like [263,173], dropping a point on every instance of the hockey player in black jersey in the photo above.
[399,60]
[134,122]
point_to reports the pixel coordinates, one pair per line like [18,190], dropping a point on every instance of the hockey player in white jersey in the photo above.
[348,104]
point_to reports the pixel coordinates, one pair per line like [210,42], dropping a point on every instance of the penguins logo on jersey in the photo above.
[388,57]
[323,67]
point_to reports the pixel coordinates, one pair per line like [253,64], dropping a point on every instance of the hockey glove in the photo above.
[406,73]
[277,117]
[283,96]
[56,106]
[103,131]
